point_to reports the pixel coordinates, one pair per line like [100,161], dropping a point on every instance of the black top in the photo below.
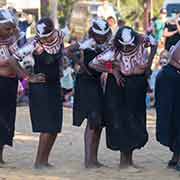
[170,41]
[89,55]
[49,64]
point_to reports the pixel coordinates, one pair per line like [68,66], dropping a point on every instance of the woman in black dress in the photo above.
[44,98]
[88,99]
[125,108]
[167,96]
[9,71]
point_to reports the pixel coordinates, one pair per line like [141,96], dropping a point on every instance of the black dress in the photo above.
[167,96]
[45,98]
[8,93]
[88,98]
[172,40]
[125,113]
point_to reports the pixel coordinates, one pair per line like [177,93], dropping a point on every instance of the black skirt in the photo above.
[88,101]
[8,93]
[125,113]
[167,96]
[45,104]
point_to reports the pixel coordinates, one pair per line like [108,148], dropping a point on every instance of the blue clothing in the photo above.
[167,99]
[159,29]
[23,25]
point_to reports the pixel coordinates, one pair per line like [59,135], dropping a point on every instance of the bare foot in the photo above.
[133,169]
[124,166]
[172,164]
[49,165]
[130,168]
[43,166]
[99,165]
[92,165]
[137,166]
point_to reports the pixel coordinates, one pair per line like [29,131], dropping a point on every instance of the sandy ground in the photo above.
[67,156]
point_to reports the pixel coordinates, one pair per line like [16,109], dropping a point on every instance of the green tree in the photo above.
[45,8]
[157,6]
[134,9]
[64,10]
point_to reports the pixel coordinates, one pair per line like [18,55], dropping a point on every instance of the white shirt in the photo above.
[106,11]
[67,81]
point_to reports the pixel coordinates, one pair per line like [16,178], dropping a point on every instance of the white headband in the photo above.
[7,15]
[41,30]
[99,31]
[127,37]
[44,35]
[127,43]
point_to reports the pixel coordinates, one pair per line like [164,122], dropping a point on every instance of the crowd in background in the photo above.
[163,30]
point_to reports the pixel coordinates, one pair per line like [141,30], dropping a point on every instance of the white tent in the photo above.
[24,4]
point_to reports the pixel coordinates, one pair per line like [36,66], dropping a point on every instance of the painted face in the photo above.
[101,39]
[7,30]
[49,39]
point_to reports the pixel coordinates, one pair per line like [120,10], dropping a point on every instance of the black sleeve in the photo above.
[166,25]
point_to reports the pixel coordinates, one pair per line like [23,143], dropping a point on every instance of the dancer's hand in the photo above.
[119,79]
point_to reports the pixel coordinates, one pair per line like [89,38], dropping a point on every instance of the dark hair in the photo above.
[117,45]
[111,17]
[163,11]
[154,18]
[72,38]
[121,22]
[49,24]
[92,34]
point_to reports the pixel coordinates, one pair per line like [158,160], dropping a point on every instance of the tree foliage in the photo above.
[129,9]
[64,8]
[134,9]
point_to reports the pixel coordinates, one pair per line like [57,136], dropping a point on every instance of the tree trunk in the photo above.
[54,12]
[147,13]
[44,8]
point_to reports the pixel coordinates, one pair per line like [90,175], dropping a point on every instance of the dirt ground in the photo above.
[67,156]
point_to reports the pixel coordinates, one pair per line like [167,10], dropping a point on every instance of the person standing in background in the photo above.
[158,25]
[25,22]
[172,32]
[112,24]
[106,10]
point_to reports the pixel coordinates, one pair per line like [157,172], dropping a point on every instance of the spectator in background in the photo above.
[25,22]
[163,60]
[121,23]
[136,24]
[67,81]
[172,32]
[112,24]
[106,10]
[158,25]
[66,31]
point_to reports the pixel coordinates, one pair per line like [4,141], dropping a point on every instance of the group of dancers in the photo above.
[119,107]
